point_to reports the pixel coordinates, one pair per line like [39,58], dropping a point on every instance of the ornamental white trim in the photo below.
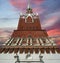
[29,15]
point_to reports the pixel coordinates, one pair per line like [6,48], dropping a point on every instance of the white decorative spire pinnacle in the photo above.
[29,9]
[28,3]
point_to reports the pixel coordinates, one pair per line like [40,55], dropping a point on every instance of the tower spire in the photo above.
[29,10]
[28,4]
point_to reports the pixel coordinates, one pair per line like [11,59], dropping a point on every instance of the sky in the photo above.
[48,10]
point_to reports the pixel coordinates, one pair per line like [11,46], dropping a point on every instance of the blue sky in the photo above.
[7,11]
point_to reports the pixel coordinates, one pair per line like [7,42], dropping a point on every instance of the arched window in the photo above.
[29,19]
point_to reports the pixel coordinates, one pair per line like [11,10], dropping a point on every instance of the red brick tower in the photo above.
[29,25]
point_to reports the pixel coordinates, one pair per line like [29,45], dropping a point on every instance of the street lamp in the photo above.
[17,57]
[41,61]
[28,56]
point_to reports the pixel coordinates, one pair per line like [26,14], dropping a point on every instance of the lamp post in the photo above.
[17,57]
[41,61]
[29,57]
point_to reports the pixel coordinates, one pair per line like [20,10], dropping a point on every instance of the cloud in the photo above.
[38,10]
[56,14]
[5,33]
[49,22]
[53,32]
[55,26]
[22,4]
[19,4]
[37,2]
